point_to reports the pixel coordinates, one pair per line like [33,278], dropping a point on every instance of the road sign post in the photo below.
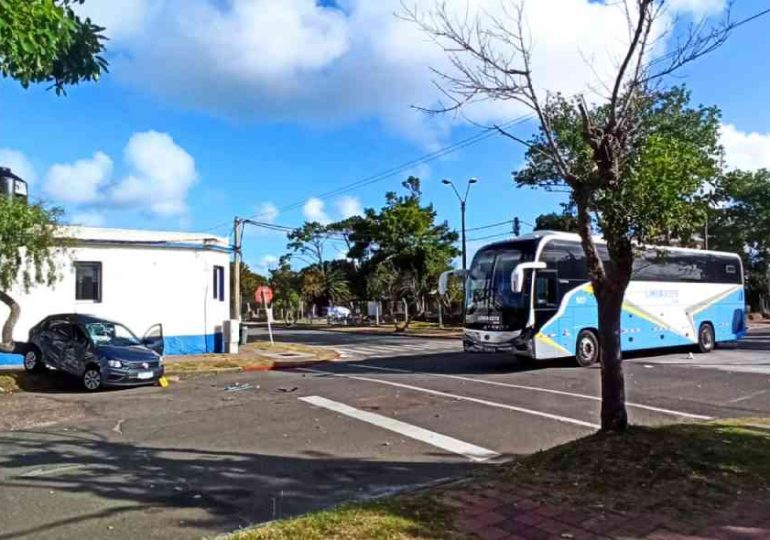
[264,294]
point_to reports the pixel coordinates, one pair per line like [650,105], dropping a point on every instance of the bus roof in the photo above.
[574,237]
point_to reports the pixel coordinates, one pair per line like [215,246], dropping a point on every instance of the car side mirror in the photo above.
[517,276]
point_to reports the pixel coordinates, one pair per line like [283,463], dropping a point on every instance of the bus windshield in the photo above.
[489,281]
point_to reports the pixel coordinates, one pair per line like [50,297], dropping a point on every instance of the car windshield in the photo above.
[107,333]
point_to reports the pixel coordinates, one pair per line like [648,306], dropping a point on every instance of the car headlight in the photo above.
[115,363]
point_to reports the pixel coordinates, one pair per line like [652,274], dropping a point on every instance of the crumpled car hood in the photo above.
[136,353]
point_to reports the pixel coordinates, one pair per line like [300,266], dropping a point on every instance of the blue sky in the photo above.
[261,107]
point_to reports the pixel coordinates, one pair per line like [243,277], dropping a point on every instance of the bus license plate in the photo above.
[144,375]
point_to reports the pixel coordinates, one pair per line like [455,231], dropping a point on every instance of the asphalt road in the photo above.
[195,459]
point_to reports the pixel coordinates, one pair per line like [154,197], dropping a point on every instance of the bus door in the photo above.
[546,301]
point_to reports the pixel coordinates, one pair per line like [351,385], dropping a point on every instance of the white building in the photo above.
[138,278]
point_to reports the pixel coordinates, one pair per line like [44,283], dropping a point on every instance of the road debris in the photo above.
[237,387]
[119,427]
[287,390]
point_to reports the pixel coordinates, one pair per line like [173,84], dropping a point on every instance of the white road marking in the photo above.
[459,397]
[539,389]
[450,444]
[51,470]
[747,396]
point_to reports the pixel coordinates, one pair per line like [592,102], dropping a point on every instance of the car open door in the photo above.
[153,338]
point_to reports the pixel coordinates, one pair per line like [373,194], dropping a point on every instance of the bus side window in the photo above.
[546,291]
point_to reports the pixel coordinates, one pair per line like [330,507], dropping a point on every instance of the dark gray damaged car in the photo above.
[97,351]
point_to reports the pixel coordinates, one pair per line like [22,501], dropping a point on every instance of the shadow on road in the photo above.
[235,489]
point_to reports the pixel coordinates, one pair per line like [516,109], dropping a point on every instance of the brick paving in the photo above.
[492,511]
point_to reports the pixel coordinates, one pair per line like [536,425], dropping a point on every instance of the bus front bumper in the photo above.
[518,342]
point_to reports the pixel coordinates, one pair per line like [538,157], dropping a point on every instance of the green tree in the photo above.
[403,246]
[41,41]
[45,41]
[558,221]
[740,222]
[625,163]
[322,281]
[657,196]
[287,289]
[28,246]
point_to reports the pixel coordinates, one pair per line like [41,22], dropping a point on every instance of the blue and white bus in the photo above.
[532,296]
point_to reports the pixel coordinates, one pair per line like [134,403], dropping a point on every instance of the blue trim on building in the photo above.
[204,343]
[12,360]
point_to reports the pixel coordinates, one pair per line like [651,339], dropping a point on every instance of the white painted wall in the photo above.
[142,284]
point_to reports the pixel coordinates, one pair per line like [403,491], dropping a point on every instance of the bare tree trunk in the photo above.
[7,344]
[610,306]
[609,297]
[399,326]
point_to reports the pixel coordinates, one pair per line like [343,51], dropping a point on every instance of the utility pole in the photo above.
[462,225]
[235,302]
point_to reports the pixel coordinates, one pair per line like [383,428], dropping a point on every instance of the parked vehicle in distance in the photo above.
[532,296]
[97,351]
[337,314]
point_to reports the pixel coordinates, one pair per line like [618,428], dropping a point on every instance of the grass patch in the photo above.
[683,470]
[8,384]
[403,518]
[683,467]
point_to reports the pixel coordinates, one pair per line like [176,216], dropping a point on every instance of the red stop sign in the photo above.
[263,294]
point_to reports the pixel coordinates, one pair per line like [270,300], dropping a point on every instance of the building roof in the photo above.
[145,238]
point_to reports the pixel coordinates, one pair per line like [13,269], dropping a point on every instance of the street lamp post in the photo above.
[462,200]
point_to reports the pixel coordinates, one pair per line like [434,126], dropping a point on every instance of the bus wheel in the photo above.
[587,350]
[706,338]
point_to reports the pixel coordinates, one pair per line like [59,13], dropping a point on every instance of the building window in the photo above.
[88,281]
[219,283]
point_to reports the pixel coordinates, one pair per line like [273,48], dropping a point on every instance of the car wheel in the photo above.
[92,379]
[33,360]
[706,339]
[587,349]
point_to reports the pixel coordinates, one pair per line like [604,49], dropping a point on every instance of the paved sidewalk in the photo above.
[497,511]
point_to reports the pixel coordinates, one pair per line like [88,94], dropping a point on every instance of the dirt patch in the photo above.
[26,411]
[256,356]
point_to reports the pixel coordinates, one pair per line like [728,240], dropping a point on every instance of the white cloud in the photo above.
[266,212]
[162,174]
[265,264]
[313,210]
[698,7]
[308,61]
[745,150]
[19,164]
[121,19]
[348,206]
[88,218]
[79,182]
